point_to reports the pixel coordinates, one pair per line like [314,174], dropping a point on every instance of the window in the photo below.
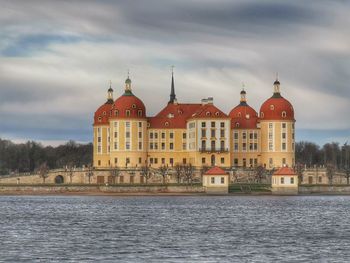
[283,160]
[237,124]
[115,145]
[163,160]
[151,145]
[127,113]
[115,160]
[222,124]
[213,133]
[251,135]
[133,106]
[292,180]
[213,145]
[235,162]
[98,139]
[140,124]
[235,135]
[203,160]
[222,133]
[222,145]
[151,135]
[270,125]
[244,146]
[127,160]
[203,144]
[163,135]
[156,135]
[320,179]
[139,113]
[127,145]
[203,124]
[244,162]
[272,107]
[261,114]
[116,112]
[184,146]
[171,146]
[184,135]
[270,146]
[127,134]
[222,180]
[156,146]
[191,125]
[99,162]
[284,125]
[140,145]
[255,136]
[155,160]
[171,160]
[140,160]
[99,119]
[212,180]
[284,114]
[283,146]
[282,180]
[213,124]
[236,147]
[163,145]
[222,160]
[151,160]
[283,135]
[184,160]
[204,133]
[244,135]
[270,135]
[115,134]
[140,135]
[171,135]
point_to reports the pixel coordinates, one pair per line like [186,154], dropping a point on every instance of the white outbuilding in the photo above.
[284,181]
[216,181]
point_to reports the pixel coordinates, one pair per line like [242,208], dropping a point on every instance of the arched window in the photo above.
[139,113]
[100,119]
[217,113]
[261,114]
[272,107]
[104,113]
[207,113]
[166,123]
[239,114]
[284,114]
[237,124]
[116,112]
[133,106]
[127,113]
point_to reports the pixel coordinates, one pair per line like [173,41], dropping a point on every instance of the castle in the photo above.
[193,133]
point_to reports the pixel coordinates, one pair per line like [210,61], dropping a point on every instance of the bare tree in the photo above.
[70,169]
[178,172]
[259,173]
[114,172]
[189,173]
[90,173]
[164,171]
[299,170]
[43,171]
[330,171]
[146,172]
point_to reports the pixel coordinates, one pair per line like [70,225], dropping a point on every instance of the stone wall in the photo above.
[324,189]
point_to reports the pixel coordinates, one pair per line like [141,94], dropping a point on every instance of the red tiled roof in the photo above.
[272,109]
[173,116]
[102,114]
[285,171]
[208,111]
[128,101]
[215,171]
[243,117]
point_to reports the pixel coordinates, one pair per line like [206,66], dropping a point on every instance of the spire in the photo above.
[243,96]
[128,85]
[276,87]
[110,93]
[172,93]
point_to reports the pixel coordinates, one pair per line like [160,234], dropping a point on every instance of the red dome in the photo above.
[277,108]
[128,106]
[102,114]
[243,117]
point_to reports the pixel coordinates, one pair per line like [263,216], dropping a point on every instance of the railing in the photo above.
[212,150]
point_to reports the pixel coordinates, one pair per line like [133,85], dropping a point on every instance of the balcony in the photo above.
[213,150]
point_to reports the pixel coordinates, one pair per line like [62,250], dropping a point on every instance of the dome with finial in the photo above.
[128,106]
[243,116]
[103,113]
[276,107]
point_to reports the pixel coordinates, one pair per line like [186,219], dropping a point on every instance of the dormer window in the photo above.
[170,115]
[272,107]
[261,114]
[127,113]
[166,123]
[133,106]
[207,113]
[247,116]
[100,119]
[139,113]
[217,113]
[284,114]
[237,124]
[239,114]
[116,112]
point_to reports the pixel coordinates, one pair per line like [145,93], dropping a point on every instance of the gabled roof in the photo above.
[173,116]
[208,111]
[285,171]
[215,171]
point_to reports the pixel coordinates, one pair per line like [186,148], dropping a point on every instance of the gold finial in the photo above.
[110,83]
[276,75]
[243,85]
[128,73]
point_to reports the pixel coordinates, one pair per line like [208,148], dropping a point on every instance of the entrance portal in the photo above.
[59,179]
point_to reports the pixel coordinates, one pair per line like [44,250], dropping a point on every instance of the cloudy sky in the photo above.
[57,58]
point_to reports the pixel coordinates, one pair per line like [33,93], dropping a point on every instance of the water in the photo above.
[174,229]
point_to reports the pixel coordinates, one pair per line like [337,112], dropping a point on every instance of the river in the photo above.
[175,229]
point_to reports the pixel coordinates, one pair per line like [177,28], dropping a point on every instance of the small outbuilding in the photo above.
[216,181]
[285,181]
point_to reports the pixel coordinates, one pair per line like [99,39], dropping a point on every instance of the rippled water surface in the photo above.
[174,229]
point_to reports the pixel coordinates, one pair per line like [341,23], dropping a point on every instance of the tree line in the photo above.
[28,157]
